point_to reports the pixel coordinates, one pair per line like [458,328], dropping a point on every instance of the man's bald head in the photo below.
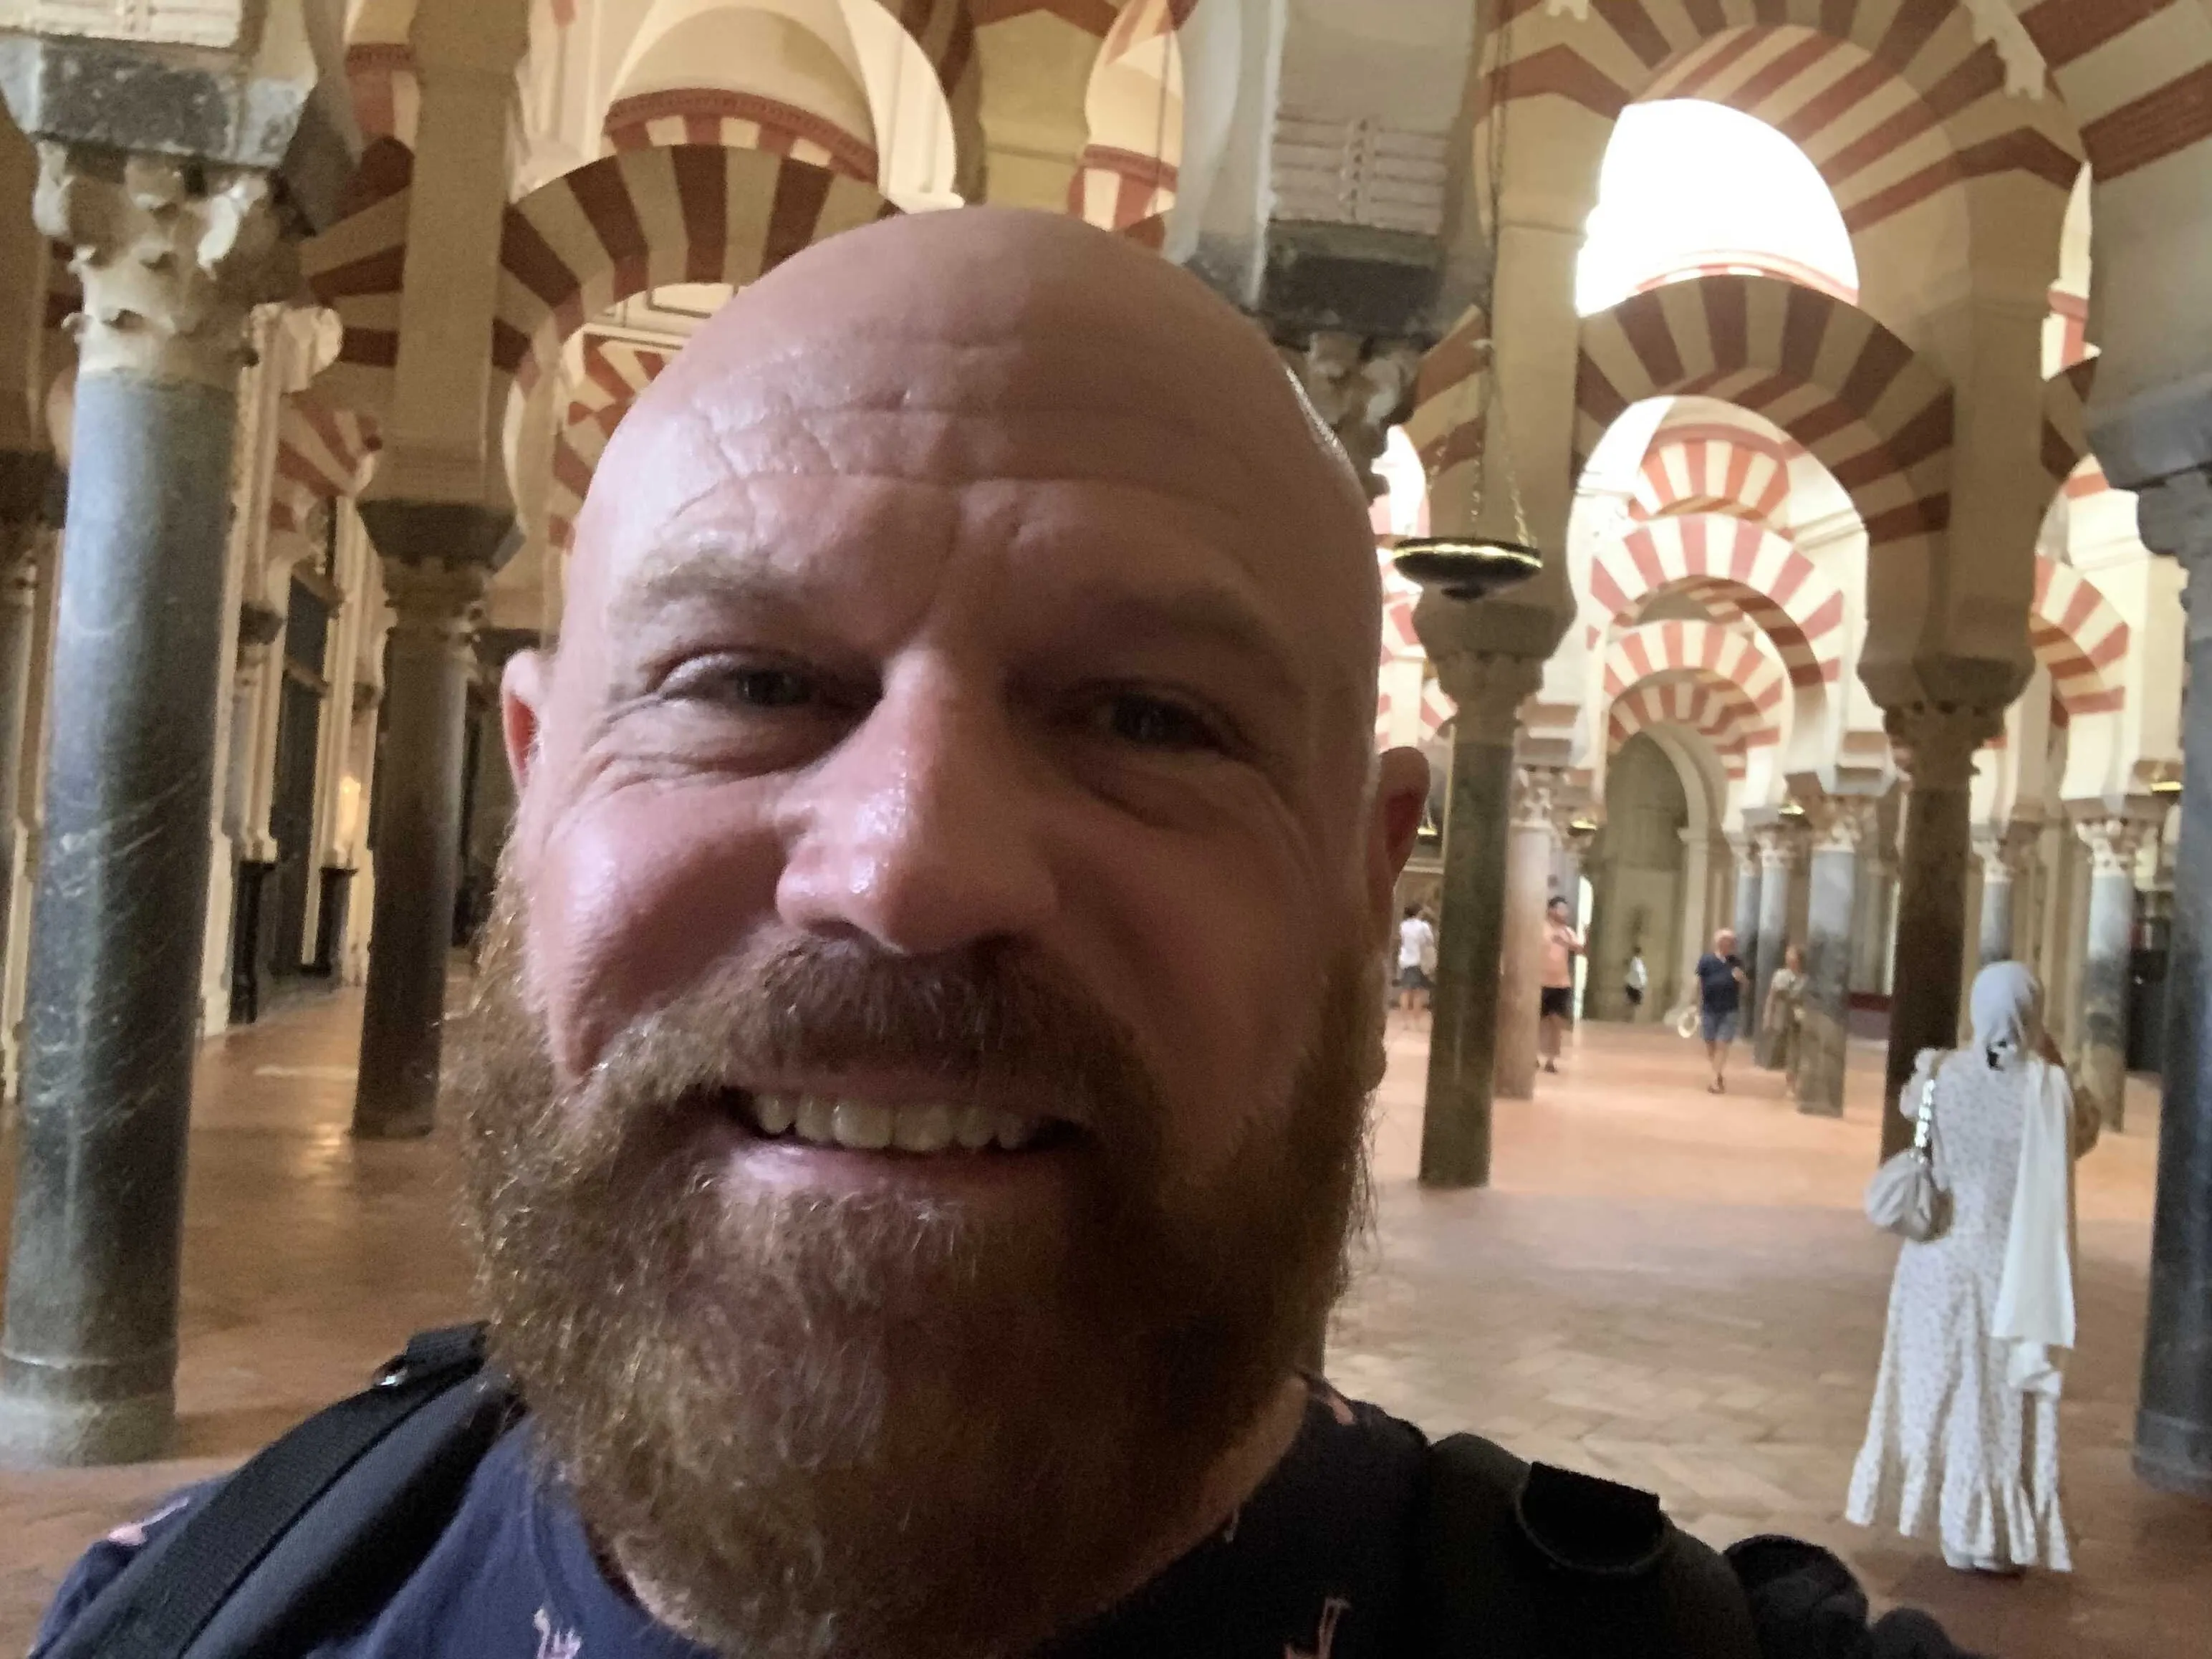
[995,343]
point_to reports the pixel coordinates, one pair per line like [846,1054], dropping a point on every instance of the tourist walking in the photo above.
[1962,1438]
[1778,1019]
[1417,961]
[1721,982]
[1562,945]
[1635,980]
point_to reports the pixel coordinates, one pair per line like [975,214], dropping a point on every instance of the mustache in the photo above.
[995,1024]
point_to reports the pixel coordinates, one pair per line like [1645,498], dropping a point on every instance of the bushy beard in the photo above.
[811,1425]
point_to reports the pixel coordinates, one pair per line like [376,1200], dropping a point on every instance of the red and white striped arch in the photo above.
[644,219]
[324,453]
[720,116]
[1736,564]
[1707,466]
[1449,424]
[614,373]
[1126,178]
[1694,650]
[2137,76]
[2081,639]
[1892,99]
[2066,419]
[1713,710]
[1839,383]
[1437,711]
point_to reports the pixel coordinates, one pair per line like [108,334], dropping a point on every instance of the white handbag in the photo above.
[1903,1198]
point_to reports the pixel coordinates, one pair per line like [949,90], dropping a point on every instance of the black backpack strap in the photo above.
[240,1573]
[1530,1562]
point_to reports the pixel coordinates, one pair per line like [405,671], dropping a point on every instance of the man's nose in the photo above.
[921,830]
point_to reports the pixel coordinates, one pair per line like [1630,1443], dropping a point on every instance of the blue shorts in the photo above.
[1718,1027]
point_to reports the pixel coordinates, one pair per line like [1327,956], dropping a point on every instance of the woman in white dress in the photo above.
[1963,1439]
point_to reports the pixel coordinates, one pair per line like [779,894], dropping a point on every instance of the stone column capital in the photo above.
[1536,797]
[1778,847]
[434,596]
[1358,387]
[174,256]
[2175,517]
[2115,840]
[2004,848]
[1488,688]
[1842,824]
[1936,743]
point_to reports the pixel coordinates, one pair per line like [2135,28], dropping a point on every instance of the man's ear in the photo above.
[1401,794]
[522,694]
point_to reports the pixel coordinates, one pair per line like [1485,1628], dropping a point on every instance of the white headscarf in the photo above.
[2035,1295]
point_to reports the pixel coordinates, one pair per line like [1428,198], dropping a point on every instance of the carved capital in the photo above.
[2115,841]
[1936,743]
[1842,824]
[2004,850]
[1488,688]
[1778,848]
[1358,388]
[435,597]
[174,256]
[1536,797]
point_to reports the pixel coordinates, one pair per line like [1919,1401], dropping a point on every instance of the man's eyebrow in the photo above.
[719,570]
[1212,616]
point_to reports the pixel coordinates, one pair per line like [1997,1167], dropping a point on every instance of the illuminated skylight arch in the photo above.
[1690,188]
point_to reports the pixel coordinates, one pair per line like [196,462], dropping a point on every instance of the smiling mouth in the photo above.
[923,1128]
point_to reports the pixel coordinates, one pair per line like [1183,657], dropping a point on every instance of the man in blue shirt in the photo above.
[1721,982]
[911,1112]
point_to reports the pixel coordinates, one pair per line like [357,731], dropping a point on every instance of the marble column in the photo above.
[1778,863]
[172,255]
[2114,840]
[2173,1423]
[259,626]
[2001,851]
[1470,936]
[1530,846]
[1935,746]
[1841,824]
[1749,872]
[419,806]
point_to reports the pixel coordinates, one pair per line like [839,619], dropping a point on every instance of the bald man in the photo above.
[912,1109]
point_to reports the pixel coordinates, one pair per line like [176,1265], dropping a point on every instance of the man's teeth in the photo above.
[864,1126]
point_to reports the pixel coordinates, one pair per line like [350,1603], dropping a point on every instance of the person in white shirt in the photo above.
[1636,980]
[1417,960]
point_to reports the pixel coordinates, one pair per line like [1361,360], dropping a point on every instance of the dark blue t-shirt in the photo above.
[1718,990]
[1317,1565]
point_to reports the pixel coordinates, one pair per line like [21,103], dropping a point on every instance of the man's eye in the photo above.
[770,688]
[1152,722]
[743,685]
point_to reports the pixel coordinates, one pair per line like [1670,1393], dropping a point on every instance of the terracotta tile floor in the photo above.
[1663,1286]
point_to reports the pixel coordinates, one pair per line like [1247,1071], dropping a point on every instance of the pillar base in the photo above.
[36,1434]
[403,1123]
[2174,1455]
[1819,1108]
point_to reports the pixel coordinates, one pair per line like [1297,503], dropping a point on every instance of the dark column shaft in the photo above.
[1824,1036]
[1775,863]
[419,806]
[1931,903]
[2173,1426]
[87,1360]
[1463,1031]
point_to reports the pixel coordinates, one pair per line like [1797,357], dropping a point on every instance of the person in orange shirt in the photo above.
[1562,945]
